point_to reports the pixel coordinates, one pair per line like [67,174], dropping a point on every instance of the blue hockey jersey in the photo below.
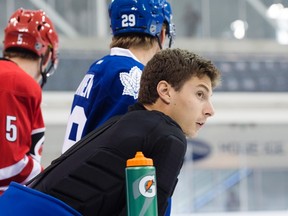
[108,88]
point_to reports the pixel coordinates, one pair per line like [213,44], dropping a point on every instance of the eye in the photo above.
[200,94]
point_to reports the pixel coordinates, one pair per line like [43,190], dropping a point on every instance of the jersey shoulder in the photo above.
[17,81]
[115,63]
[155,122]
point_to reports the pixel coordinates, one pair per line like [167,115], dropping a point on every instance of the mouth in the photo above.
[200,124]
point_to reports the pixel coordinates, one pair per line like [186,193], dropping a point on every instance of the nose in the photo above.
[209,109]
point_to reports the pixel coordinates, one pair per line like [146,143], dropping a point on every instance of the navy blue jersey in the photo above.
[108,88]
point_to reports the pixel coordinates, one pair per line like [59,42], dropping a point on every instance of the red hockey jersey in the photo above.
[21,125]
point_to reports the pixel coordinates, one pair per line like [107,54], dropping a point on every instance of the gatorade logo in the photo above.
[147,186]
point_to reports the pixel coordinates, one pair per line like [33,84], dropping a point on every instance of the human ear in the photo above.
[163,36]
[163,89]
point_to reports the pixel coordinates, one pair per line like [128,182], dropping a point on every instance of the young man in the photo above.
[112,83]
[30,46]
[174,102]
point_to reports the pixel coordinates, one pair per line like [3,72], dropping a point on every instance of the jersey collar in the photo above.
[123,52]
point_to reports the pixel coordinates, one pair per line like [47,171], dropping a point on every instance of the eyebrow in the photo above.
[204,86]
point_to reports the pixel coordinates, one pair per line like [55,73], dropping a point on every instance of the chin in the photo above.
[191,134]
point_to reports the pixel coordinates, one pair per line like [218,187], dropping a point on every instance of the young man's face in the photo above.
[191,106]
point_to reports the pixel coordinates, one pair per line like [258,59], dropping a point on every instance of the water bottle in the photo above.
[141,186]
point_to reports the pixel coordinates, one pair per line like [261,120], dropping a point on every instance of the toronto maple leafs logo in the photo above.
[131,82]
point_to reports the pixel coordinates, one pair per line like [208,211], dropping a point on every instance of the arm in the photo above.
[22,137]
[168,160]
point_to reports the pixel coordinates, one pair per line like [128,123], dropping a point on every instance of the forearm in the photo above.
[20,171]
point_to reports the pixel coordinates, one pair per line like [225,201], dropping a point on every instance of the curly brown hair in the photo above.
[175,66]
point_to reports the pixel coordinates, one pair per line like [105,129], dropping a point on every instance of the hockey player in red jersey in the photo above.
[29,57]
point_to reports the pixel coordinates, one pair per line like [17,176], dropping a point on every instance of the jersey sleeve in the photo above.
[22,134]
[168,160]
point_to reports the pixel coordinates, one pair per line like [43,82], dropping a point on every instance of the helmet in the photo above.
[31,30]
[136,16]
[171,31]
[34,31]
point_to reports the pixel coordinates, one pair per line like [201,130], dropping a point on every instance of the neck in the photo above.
[31,67]
[159,105]
[144,55]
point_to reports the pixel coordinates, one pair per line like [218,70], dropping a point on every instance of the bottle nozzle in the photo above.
[139,160]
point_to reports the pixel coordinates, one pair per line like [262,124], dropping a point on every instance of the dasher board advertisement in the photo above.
[239,145]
